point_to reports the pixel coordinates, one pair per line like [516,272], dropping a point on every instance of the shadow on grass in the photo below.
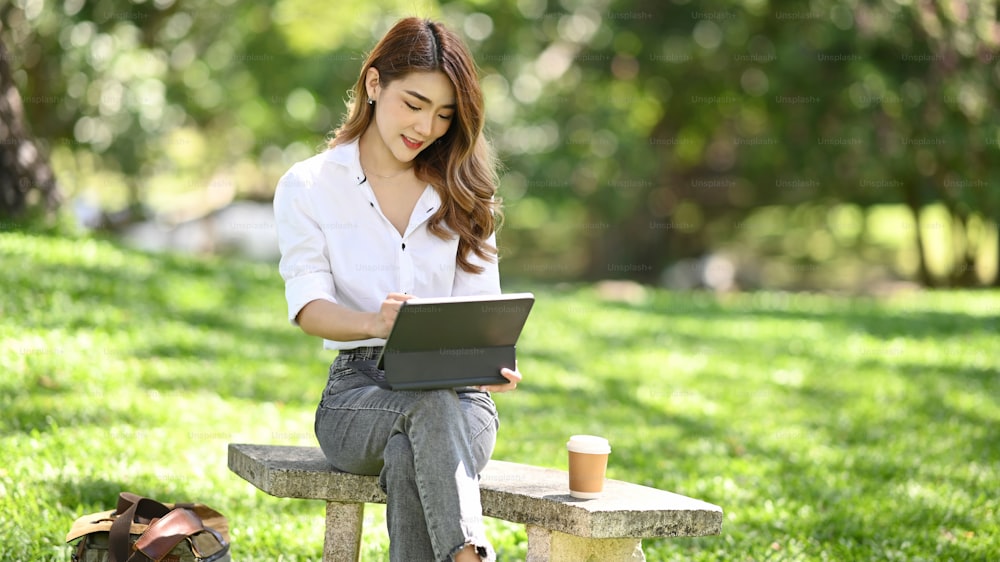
[185,323]
[868,316]
[878,433]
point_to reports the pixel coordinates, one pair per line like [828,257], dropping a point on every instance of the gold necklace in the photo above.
[365,170]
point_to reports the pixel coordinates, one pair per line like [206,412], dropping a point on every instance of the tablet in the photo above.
[451,342]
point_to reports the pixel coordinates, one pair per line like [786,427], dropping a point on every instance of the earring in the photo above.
[371,101]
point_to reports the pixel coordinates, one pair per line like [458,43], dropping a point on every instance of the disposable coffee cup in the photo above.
[588,462]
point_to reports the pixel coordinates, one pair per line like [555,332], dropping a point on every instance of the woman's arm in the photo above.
[486,282]
[332,321]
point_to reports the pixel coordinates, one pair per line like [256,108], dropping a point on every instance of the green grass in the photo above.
[828,428]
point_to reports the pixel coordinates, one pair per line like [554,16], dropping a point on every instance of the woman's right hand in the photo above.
[386,315]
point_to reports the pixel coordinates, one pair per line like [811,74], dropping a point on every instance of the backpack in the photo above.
[144,530]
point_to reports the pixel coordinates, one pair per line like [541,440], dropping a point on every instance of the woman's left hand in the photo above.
[513,376]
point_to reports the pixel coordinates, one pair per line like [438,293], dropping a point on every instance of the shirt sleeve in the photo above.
[485,283]
[305,259]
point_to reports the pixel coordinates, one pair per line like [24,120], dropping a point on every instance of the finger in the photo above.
[391,307]
[498,388]
[511,375]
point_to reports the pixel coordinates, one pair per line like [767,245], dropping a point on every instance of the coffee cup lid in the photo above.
[588,444]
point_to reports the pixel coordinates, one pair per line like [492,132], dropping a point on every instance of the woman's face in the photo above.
[412,112]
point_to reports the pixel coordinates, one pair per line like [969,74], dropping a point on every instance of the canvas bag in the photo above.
[144,530]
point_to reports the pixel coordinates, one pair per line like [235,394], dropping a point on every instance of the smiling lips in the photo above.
[411,144]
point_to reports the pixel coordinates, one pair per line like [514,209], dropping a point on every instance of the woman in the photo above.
[401,204]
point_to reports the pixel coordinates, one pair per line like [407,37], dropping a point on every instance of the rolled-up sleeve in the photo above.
[305,262]
[485,283]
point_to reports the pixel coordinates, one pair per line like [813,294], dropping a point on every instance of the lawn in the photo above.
[827,427]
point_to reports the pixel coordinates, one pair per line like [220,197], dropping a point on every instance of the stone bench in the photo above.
[560,528]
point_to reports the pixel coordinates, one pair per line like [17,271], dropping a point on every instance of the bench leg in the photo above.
[342,541]
[545,545]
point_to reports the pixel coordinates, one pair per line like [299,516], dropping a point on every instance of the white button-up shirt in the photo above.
[337,245]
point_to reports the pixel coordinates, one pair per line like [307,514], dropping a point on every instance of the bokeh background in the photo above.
[763,237]
[835,145]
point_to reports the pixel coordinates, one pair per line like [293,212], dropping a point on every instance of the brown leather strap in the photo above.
[149,510]
[126,500]
[130,508]
[165,533]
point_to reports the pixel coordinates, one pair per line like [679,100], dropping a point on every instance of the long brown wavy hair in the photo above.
[461,165]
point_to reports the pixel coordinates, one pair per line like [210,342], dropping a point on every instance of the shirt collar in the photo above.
[349,156]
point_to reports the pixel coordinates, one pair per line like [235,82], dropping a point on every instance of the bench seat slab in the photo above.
[608,528]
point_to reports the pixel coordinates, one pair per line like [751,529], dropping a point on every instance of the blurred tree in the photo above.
[635,133]
[27,184]
[187,103]
[664,125]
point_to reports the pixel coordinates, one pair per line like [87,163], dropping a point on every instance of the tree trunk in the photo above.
[996,274]
[27,185]
[964,269]
[912,198]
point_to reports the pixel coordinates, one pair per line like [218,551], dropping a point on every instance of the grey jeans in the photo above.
[427,447]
